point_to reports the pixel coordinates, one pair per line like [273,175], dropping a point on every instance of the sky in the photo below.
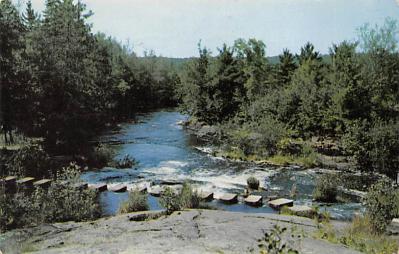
[173,28]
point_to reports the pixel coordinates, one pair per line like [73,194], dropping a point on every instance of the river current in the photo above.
[167,153]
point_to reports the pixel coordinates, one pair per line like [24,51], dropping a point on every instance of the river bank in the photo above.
[194,231]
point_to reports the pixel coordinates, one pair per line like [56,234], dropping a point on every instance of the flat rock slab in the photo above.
[156,191]
[100,187]
[302,210]
[193,231]
[206,195]
[142,188]
[229,198]
[253,200]
[278,203]
[10,179]
[118,188]
[44,183]
[26,181]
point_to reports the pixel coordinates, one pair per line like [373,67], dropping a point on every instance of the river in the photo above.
[166,152]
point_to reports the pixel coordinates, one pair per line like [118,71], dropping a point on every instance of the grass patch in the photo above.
[136,202]
[359,235]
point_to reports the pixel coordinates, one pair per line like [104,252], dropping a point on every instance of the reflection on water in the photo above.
[168,153]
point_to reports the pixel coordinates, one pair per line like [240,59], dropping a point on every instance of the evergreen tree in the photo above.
[11,29]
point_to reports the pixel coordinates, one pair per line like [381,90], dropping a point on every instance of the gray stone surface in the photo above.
[193,231]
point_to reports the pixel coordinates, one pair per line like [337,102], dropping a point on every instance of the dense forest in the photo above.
[265,109]
[62,83]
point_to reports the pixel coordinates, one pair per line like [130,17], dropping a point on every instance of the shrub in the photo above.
[186,198]
[374,147]
[273,242]
[126,162]
[253,183]
[61,202]
[137,202]
[101,156]
[30,160]
[326,189]
[381,204]
[170,201]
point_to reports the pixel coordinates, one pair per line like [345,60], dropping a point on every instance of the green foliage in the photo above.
[61,202]
[360,236]
[381,205]
[347,96]
[374,148]
[101,156]
[30,160]
[326,189]
[126,162]
[170,200]
[186,198]
[253,183]
[273,242]
[136,202]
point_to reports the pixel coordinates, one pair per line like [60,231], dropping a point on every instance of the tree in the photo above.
[11,29]
[383,37]
[253,63]
[195,80]
[71,75]
[286,67]
[349,98]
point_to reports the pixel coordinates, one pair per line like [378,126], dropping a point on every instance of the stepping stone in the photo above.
[142,189]
[10,180]
[118,188]
[278,203]
[156,191]
[206,196]
[302,210]
[26,181]
[229,198]
[171,182]
[80,186]
[253,200]
[44,183]
[100,187]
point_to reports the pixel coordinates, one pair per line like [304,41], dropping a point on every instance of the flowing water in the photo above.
[168,153]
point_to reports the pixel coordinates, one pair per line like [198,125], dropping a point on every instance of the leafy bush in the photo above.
[253,183]
[60,202]
[374,147]
[257,138]
[326,189]
[137,202]
[186,198]
[30,160]
[101,156]
[170,201]
[126,162]
[273,243]
[381,205]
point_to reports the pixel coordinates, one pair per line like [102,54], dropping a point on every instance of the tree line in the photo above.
[350,96]
[62,82]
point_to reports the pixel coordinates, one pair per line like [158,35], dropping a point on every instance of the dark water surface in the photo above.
[166,152]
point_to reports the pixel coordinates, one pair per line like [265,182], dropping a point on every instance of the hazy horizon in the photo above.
[172,28]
